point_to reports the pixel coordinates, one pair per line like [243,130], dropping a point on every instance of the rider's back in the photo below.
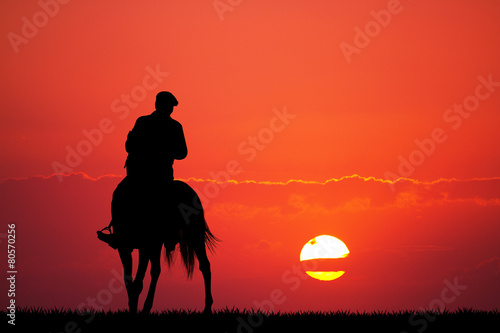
[153,144]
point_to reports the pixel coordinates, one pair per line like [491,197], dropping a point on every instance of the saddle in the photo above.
[110,239]
[158,220]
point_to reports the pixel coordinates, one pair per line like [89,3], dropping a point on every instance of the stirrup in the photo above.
[107,238]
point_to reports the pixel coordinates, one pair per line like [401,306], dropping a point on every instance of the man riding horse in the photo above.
[152,146]
[147,207]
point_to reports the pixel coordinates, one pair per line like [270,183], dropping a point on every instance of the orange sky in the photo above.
[287,90]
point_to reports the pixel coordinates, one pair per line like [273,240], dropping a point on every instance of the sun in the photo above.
[321,249]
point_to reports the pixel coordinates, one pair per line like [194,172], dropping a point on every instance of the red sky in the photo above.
[289,90]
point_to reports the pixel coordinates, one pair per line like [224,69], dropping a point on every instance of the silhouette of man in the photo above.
[141,197]
[155,141]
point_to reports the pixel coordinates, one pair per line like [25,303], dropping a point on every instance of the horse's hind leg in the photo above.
[204,265]
[154,258]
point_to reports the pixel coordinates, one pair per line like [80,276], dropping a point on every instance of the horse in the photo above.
[180,220]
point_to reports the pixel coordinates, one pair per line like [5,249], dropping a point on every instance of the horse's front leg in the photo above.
[126,258]
[204,265]
[155,259]
[136,286]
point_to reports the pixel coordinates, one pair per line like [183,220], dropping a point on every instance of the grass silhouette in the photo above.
[248,321]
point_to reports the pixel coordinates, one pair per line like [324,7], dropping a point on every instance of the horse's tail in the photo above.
[194,233]
[210,240]
[169,256]
[189,240]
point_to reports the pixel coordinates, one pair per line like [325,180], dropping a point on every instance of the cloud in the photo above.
[424,248]
[489,266]
[264,245]
[353,193]
[60,177]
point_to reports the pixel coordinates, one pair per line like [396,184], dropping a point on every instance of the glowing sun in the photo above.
[322,249]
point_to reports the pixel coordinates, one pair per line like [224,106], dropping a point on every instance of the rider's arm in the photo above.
[132,141]
[180,148]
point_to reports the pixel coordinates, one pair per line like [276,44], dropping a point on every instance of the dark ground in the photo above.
[238,321]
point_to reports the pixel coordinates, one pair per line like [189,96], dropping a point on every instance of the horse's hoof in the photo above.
[207,312]
[133,302]
[132,310]
[146,308]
